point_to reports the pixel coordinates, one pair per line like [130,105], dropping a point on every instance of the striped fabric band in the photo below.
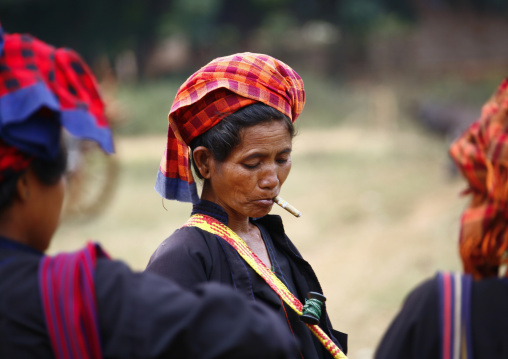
[455,315]
[67,290]
[211,225]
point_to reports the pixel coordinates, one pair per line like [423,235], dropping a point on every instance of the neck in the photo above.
[10,226]
[14,226]
[240,225]
[237,222]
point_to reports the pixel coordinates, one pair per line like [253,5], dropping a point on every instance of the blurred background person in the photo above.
[236,116]
[464,316]
[82,304]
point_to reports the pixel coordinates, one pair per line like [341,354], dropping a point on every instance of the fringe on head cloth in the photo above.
[215,91]
[481,155]
[43,88]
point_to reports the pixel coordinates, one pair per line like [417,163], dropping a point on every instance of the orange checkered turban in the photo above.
[215,91]
[481,154]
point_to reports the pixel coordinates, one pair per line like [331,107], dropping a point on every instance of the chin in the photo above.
[259,213]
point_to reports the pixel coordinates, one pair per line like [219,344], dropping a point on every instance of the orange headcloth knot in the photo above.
[481,155]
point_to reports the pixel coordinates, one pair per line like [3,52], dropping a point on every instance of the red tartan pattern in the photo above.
[481,154]
[26,61]
[219,89]
[204,115]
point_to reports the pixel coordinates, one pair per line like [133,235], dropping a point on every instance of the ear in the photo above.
[203,159]
[23,187]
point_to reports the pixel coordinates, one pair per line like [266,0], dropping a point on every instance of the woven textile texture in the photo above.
[218,89]
[481,155]
[67,289]
[43,88]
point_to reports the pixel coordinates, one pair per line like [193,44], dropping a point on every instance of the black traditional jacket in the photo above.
[415,332]
[191,255]
[140,315]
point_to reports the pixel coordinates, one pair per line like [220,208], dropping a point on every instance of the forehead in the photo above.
[272,134]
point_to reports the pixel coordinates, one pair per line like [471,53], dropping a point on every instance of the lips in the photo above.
[265,202]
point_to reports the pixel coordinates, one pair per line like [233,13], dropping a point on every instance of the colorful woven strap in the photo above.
[455,315]
[211,225]
[67,290]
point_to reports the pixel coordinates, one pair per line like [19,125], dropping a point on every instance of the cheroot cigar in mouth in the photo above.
[288,207]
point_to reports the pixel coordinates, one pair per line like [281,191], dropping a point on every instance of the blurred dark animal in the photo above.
[446,119]
[449,120]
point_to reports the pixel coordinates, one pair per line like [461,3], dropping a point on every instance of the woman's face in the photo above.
[253,173]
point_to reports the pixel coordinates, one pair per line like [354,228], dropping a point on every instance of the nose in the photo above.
[269,178]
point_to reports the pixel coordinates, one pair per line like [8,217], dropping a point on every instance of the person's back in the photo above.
[416,332]
[139,315]
[435,322]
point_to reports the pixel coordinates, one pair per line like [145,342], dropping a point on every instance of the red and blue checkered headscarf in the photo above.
[215,91]
[43,88]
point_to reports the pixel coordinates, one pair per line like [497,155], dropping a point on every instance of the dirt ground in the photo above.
[380,214]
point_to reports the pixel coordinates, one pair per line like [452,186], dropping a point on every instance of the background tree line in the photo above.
[107,28]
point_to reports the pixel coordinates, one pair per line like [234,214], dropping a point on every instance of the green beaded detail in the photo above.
[313,307]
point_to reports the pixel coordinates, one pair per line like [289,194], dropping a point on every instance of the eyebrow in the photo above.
[257,154]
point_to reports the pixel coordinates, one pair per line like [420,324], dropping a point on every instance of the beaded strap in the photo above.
[211,225]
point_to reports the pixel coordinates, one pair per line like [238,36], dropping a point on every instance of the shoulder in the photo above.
[185,240]
[118,285]
[415,326]
[424,297]
[188,256]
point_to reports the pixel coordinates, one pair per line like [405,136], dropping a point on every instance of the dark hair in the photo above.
[48,172]
[222,138]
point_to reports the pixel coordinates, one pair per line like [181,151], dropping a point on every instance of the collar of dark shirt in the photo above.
[210,209]
[213,210]
[9,244]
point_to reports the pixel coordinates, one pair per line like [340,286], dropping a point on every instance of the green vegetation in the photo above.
[145,106]
[329,102]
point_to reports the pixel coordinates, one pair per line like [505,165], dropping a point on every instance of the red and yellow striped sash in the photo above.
[211,225]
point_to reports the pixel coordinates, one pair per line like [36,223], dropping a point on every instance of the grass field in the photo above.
[380,209]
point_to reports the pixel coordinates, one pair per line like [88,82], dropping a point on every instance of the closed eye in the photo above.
[250,166]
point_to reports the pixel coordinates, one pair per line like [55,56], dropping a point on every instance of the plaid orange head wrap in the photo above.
[481,154]
[218,89]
